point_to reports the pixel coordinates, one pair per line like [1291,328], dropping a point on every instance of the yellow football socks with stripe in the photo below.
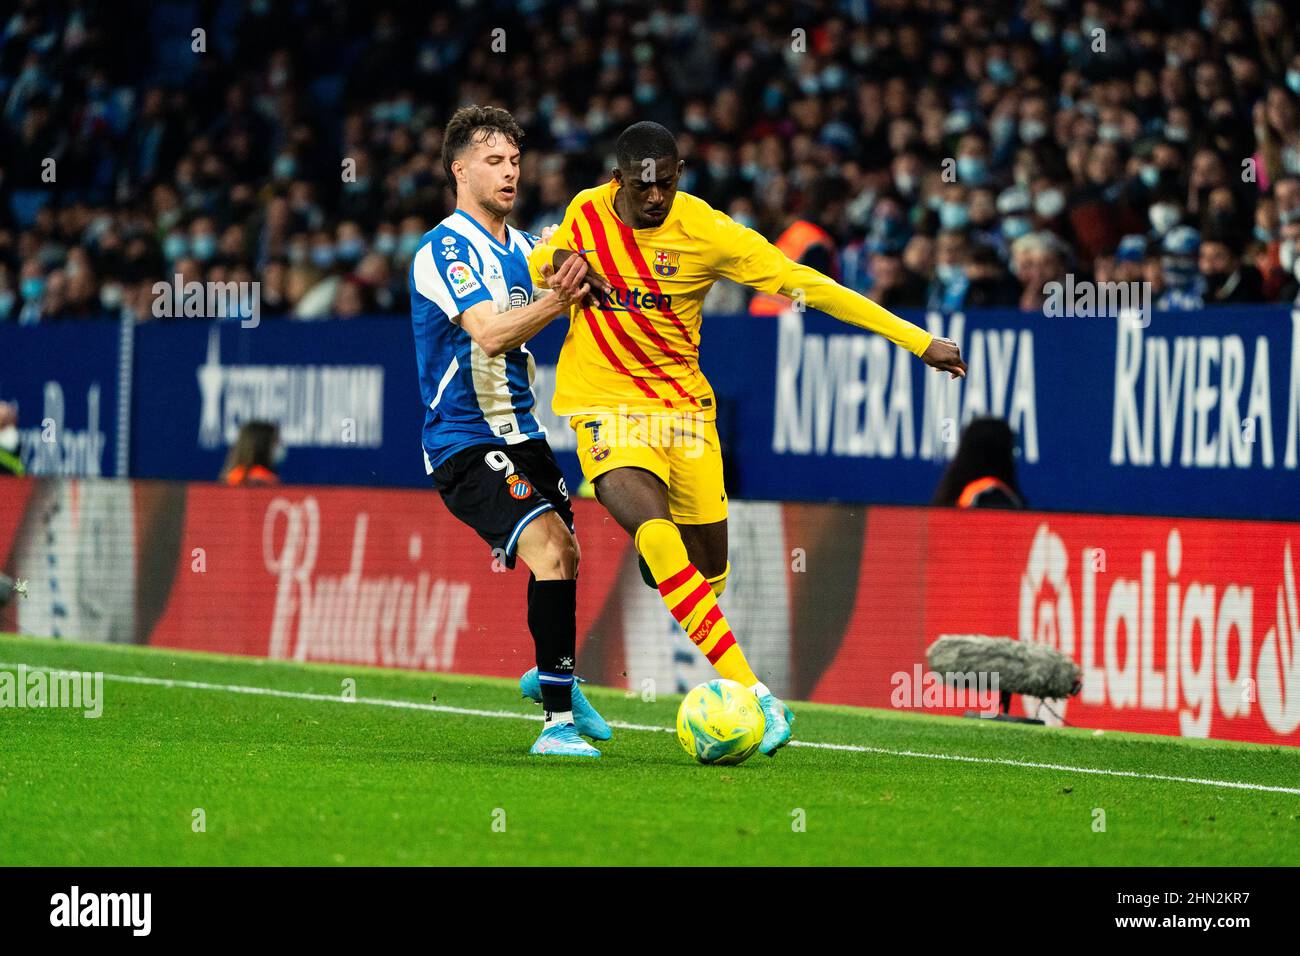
[691,599]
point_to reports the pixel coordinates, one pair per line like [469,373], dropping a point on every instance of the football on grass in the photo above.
[720,722]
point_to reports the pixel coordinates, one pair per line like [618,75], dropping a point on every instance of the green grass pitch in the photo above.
[297,780]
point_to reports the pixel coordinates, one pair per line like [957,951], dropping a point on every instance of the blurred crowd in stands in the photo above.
[946,154]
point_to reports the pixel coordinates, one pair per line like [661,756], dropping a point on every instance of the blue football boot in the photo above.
[779,720]
[588,722]
[562,740]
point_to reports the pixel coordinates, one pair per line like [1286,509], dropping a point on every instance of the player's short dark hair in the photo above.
[642,141]
[467,124]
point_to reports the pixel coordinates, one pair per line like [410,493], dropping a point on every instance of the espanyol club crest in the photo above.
[666,263]
[519,487]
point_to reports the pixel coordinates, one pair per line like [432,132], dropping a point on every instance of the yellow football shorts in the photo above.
[683,451]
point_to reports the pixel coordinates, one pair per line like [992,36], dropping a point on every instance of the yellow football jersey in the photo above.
[638,348]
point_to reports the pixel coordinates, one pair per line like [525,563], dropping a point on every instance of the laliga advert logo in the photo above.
[1047,608]
[1205,627]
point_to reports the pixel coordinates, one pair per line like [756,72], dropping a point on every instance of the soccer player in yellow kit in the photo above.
[629,375]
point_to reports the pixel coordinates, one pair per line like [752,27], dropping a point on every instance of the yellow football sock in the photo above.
[691,600]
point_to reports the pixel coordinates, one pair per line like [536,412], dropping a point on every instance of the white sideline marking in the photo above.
[510,714]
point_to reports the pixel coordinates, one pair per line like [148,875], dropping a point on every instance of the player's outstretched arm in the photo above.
[824,293]
[744,256]
[498,332]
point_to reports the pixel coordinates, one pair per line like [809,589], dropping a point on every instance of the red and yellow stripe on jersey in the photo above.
[638,348]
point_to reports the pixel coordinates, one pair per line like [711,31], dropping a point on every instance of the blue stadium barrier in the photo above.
[1195,414]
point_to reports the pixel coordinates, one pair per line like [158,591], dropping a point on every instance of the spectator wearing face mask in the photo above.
[1014,207]
[349,244]
[1164,214]
[203,244]
[1227,279]
[972,167]
[1034,127]
[948,289]
[887,235]
[235,175]
[954,207]
[318,300]
[32,283]
[1050,206]
[1265,231]
[906,170]
[1156,169]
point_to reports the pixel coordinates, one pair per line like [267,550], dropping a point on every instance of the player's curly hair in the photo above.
[471,124]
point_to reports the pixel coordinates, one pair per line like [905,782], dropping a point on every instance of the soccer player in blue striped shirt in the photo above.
[473,308]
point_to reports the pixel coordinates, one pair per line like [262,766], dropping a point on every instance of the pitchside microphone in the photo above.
[1021,668]
[9,587]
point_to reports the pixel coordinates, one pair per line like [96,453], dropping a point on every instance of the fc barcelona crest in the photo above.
[666,263]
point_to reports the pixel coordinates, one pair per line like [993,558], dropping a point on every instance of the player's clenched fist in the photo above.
[569,281]
[943,354]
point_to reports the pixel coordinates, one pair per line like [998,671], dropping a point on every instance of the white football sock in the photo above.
[554,717]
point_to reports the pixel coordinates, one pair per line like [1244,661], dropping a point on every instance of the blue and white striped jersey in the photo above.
[470,399]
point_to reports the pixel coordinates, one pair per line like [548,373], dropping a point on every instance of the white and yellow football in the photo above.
[720,722]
